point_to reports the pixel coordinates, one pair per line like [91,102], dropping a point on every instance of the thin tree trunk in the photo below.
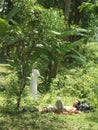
[51,73]
[20,94]
[22,83]
[67,11]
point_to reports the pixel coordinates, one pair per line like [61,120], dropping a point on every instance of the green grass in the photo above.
[49,121]
[38,121]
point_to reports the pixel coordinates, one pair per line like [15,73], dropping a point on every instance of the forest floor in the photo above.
[48,121]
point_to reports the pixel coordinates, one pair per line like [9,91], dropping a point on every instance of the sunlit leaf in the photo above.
[3,27]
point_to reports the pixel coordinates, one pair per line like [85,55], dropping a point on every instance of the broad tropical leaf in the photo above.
[79,59]
[12,13]
[71,32]
[3,27]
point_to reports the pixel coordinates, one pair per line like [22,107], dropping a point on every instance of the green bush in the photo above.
[11,92]
[77,82]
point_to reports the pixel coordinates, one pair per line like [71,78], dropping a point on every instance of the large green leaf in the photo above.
[79,58]
[3,27]
[71,32]
[85,5]
[12,13]
[71,46]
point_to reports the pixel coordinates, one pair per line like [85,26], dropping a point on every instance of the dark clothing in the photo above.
[84,106]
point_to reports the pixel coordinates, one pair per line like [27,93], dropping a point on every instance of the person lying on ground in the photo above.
[60,108]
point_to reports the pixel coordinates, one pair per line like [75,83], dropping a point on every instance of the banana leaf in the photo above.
[12,13]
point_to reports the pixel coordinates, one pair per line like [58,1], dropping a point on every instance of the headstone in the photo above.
[33,83]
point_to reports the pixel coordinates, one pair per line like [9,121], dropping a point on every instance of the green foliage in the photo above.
[52,3]
[3,27]
[91,52]
[12,13]
[52,19]
[20,44]
[96,92]
[53,30]
[12,85]
[11,92]
[77,83]
[93,8]
[35,37]
[38,38]
[89,9]
[72,31]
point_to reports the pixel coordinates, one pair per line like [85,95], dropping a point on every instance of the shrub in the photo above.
[77,83]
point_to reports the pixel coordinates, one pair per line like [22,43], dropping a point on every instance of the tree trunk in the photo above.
[67,11]
[51,73]
[22,83]
[22,86]
[76,18]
